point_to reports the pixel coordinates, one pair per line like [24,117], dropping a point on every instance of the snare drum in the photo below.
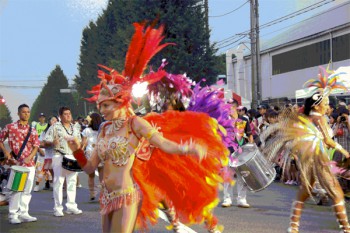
[18,178]
[70,163]
[253,168]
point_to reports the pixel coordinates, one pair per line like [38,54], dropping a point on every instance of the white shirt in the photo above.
[91,136]
[58,131]
[48,150]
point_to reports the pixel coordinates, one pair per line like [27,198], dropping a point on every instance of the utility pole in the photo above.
[258,63]
[255,53]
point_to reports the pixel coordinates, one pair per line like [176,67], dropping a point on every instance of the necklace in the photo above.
[117,124]
[312,113]
[71,129]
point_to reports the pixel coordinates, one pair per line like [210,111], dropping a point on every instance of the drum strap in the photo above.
[23,145]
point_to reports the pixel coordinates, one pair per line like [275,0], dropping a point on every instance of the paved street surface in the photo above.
[269,213]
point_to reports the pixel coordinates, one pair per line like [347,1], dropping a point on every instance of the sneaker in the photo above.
[14,221]
[288,182]
[74,211]
[27,218]
[243,204]
[58,213]
[227,202]
[36,188]
[47,186]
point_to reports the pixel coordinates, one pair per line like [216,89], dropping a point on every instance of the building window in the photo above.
[341,48]
[301,58]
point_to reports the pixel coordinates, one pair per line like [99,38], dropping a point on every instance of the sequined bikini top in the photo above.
[115,148]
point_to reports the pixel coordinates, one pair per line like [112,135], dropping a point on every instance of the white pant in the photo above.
[241,190]
[19,201]
[71,179]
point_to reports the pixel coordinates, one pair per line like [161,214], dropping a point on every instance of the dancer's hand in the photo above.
[198,150]
[73,143]
[347,155]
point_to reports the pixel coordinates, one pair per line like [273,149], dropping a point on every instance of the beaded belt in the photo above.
[116,199]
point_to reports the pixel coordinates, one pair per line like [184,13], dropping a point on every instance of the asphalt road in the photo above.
[269,214]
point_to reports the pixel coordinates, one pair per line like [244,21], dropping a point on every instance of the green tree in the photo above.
[51,99]
[186,26]
[5,117]
[220,63]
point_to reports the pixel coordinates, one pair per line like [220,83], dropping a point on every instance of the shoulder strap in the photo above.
[132,129]
[24,143]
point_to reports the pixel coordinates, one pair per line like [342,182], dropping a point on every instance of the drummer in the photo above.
[243,135]
[24,143]
[55,137]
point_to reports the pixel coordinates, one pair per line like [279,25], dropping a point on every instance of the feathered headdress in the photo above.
[171,85]
[327,81]
[116,86]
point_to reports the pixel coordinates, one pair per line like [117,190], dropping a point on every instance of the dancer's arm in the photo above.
[324,128]
[144,129]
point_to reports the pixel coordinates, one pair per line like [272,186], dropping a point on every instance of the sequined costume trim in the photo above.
[117,199]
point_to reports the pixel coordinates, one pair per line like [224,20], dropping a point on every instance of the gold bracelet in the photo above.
[184,149]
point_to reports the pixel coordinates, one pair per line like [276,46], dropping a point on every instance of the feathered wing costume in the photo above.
[192,186]
[296,135]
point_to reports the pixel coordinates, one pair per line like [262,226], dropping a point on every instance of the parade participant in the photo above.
[205,100]
[47,170]
[24,143]
[55,137]
[308,137]
[125,178]
[41,125]
[89,139]
[242,136]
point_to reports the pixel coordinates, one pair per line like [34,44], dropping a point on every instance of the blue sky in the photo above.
[36,35]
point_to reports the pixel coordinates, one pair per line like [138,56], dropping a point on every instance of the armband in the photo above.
[80,157]
[151,133]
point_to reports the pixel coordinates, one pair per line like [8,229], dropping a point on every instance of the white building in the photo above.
[293,57]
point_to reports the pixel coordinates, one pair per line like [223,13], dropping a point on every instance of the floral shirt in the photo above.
[16,134]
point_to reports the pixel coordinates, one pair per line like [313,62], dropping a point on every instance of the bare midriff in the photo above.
[117,154]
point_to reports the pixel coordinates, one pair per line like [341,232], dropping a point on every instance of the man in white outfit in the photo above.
[242,136]
[24,143]
[56,136]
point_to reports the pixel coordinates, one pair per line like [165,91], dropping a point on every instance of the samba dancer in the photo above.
[55,138]
[308,137]
[204,100]
[17,133]
[123,134]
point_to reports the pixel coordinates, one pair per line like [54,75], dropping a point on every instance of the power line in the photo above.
[215,16]
[281,19]
[238,40]
[27,80]
[24,87]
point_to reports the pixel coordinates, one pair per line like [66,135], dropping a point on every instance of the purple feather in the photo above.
[207,100]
